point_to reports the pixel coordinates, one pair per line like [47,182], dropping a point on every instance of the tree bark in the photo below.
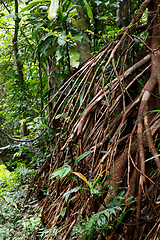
[15,45]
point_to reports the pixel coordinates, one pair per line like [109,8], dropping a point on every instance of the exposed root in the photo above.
[118,122]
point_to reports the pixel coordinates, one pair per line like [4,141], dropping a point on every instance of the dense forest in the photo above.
[80,119]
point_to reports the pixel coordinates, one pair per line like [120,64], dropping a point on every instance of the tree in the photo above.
[109,124]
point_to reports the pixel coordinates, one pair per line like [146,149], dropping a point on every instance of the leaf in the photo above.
[63,212]
[85,154]
[80,175]
[61,41]
[104,152]
[89,10]
[98,2]
[61,172]
[60,11]
[32,3]
[95,192]
[66,195]
[10,16]
[46,36]
[44,125]
[52,12]
[152,158]
[58,57]
[72,178]
[74,31]
[98,178]
[72,11]
[107,214]
[74,57]
[58,116]
[10,201]
[53,49]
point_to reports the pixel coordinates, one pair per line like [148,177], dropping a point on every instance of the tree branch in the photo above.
[24,139]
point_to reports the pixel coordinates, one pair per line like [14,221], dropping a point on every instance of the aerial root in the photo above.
[109,113]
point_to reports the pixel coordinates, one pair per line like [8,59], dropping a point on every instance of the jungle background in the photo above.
[80,119]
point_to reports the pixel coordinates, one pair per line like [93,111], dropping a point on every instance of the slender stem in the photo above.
[41,82]
[15,45]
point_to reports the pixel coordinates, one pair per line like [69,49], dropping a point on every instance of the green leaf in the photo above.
[62,38]
[85,154]
[53,49]
[60,11]
[52,12]
[58,116]
[63,212]
[46,36]
[61,172]
[104,152]
[58,57]
[152,158]
[72,178]
[98,2]
[10,16]
[61,41]
[44,125]
[95,192]
[74,57]
[10,201]
[89,10]
[74,31]
[67,194]
[32,3]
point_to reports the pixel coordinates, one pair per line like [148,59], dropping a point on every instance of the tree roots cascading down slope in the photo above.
[110,109]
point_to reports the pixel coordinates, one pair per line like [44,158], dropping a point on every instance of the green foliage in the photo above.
[101,222]
[85,154]
[52,12]
[92,185]
[13,224]
[59,39]
[89,10]
[4,173]
[50,32]
[61,172]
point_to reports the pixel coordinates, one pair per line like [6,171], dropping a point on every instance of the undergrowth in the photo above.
[24,222]
[99,223]
[13,223]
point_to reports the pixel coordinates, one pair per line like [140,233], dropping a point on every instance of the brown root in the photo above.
[106,113]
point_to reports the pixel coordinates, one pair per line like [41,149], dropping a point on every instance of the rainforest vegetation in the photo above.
[80,119]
